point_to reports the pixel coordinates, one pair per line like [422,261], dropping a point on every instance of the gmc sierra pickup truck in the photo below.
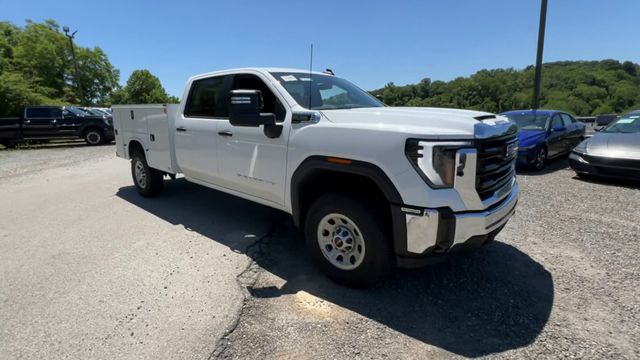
[37,123]
[373,187]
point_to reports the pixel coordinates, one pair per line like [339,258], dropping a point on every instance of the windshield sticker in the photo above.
[288,78]
[627,120]
[305,79]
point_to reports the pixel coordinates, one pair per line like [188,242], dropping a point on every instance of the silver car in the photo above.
[612,152]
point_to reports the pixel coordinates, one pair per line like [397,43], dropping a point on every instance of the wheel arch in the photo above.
[318,174]
[135,146]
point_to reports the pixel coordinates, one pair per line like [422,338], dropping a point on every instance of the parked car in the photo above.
[372,186]
[612,152]
[38,123]
[604,120]
[544,134]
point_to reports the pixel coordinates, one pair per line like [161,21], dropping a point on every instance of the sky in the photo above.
[369,43]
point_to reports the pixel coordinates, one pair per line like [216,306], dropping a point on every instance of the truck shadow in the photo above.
[493,301]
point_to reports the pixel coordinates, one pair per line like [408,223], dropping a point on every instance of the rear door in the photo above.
[575,131]
[41,121]
[196,128]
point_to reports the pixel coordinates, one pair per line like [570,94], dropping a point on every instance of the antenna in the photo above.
[310,73]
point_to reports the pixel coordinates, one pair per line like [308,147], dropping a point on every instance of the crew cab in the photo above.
[373,187]
[52,122]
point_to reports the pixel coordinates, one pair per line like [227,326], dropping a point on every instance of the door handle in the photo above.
[225,133]
[181,129]
[27,121]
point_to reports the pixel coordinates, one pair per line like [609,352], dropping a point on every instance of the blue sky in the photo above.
[368,42]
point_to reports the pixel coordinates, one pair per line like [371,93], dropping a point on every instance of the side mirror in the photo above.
[244,109]
[558,128]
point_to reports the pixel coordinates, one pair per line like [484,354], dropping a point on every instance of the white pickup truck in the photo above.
[372,186]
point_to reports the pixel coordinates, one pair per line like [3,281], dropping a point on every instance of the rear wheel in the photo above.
[94,136]
[348,239]
[148,181]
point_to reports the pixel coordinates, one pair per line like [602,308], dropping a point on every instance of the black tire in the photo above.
[377,259]
[153,182]
[93,137]
[541,158]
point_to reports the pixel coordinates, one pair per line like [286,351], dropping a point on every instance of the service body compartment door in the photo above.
[159,152]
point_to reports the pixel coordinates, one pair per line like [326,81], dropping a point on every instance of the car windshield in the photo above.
[77,111]
[529,121]
[324,92]
[627,124]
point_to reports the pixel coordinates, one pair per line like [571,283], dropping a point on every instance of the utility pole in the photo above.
[75,62]
[538,76]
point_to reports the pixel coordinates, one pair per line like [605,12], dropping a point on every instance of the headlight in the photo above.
[435,161]
[108,122]
[582,147]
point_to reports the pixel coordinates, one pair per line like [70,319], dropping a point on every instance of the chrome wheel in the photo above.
[341,241]
[140,174]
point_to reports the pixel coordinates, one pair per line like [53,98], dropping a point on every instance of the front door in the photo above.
[556,142]
[249,161]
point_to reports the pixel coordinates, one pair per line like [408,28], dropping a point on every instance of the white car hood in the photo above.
[415,120]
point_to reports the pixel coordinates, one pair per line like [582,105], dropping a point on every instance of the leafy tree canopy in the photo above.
[581,87]
[142,88]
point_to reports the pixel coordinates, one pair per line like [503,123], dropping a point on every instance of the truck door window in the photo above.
[207,98]
[271,104]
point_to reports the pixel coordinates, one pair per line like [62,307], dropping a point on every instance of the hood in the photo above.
[614,145]
[530,137]
[413,119]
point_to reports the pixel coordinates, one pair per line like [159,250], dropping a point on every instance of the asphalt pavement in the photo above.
[89,269]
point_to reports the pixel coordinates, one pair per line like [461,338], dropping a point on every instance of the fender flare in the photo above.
[355,167]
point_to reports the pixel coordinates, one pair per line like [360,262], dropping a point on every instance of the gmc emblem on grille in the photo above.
[510,151]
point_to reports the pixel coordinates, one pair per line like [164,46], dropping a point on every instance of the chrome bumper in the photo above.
[473,224]
[427,229]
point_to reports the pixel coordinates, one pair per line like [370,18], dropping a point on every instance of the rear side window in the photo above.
[568,120]
[207,98]
[38,113]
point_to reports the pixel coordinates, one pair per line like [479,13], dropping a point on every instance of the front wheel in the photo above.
[148,181]
[349,241]
[540,160]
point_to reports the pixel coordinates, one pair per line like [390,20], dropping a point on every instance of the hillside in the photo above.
[580,87]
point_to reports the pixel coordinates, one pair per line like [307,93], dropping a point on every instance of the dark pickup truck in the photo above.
[37,123]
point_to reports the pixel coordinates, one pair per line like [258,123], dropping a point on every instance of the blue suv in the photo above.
[544,134]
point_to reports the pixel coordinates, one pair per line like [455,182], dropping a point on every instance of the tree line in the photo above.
[36,67]
[580,87]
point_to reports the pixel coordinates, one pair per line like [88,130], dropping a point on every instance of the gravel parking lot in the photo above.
[90,269]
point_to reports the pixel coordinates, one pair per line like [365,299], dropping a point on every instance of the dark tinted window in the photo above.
[207,98]
[43,112]
[270,103]
[567,119]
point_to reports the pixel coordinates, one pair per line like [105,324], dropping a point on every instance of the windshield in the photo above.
[324,92]
[77,111]
[529,121]
[629,123]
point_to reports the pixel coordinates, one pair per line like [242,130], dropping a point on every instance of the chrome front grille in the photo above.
[495,168]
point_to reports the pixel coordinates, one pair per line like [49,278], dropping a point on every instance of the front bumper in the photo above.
[432,233]
[603,166]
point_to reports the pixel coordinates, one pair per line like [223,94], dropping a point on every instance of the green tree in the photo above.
[142,88]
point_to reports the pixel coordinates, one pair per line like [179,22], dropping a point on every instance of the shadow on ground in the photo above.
[493,301]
